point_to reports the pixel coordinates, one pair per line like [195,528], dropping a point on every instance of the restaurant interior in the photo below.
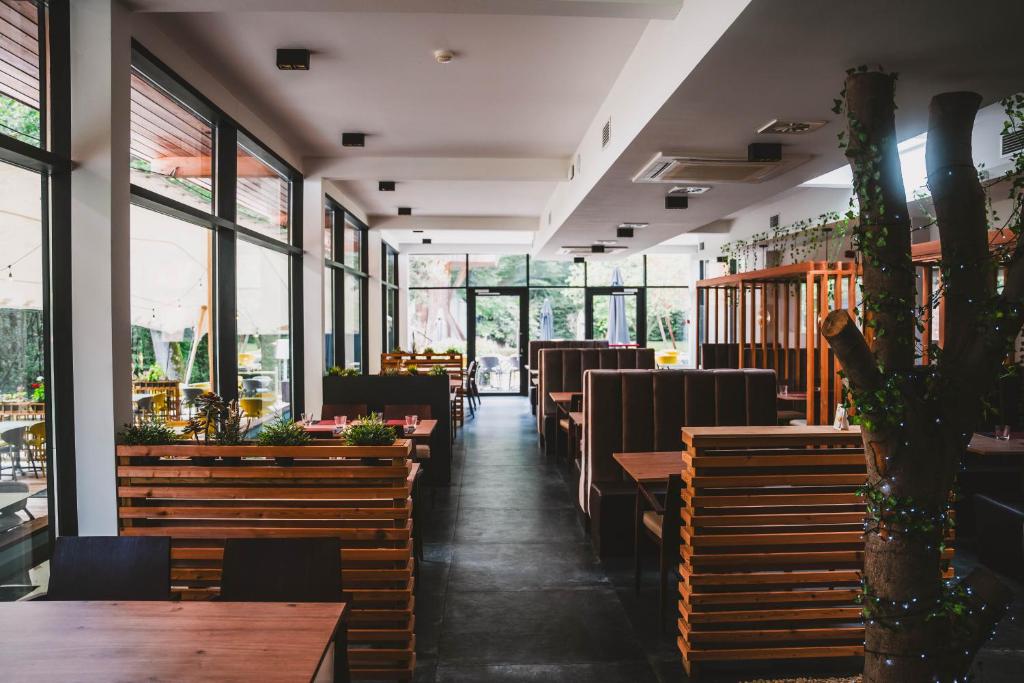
[495,340]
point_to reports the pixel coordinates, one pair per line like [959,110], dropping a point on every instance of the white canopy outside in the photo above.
[21,259]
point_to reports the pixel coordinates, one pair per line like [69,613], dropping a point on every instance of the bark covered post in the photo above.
[915,420]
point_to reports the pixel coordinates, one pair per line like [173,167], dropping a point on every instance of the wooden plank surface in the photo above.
[563,397]
[650,467]
[166,641]
[986,445]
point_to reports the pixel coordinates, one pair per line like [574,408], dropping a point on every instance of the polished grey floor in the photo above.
[510,590]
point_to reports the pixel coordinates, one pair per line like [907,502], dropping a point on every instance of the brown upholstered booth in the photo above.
[537,345]
[628,411]
[562,370]
[715,355]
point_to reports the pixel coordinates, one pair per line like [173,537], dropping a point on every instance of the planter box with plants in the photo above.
[202,490]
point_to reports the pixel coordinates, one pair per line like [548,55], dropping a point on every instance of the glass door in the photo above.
[617,314]
[497,338]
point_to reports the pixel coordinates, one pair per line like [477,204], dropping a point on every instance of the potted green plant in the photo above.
[429,351]
[370,431]
[148,433]
[283,432]
[453,351]
[217,421]
[437,371]
[336,371]
[412,369]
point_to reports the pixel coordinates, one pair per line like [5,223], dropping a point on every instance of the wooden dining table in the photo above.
[88,642]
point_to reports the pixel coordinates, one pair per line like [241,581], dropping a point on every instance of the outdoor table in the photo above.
[273,642]
[996,459]
[12,432]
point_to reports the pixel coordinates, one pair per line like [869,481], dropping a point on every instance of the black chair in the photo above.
[660,524]
[110,568]
[287,570]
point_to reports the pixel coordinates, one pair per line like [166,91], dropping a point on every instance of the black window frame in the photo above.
[51,160]
[226,231]
[389,295]
[336,263]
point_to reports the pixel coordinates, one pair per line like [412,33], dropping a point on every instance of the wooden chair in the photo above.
[350,410]
[661,525]
[110,568]
[565,426]
[287,570]
[35,444]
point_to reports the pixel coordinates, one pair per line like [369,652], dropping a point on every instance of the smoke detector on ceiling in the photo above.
[782,127]
[443,56]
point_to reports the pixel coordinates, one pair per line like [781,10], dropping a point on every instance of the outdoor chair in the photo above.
[110,568]
[489,370]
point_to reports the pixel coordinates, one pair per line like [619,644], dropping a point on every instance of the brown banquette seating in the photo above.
[562,370]
[715,355]
[628,411]
[537,345]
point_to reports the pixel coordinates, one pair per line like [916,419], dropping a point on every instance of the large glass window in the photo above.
[668,319]
[557,313]
[437,270]
[171,305]
[263,344]
[557,274]
[171,146]
[198,225]
[263,195]
[35,323]
[345,288]
[437,319]
[328,316]
[389,297]
[604,272]
[508,270]
[668,270]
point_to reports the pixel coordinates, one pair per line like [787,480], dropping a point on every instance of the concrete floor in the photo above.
[510,590]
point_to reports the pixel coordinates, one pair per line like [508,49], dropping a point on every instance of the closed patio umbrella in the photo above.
[618,328]
[547,321]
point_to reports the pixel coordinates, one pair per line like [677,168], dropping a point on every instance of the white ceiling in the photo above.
[787,59]
[521,86]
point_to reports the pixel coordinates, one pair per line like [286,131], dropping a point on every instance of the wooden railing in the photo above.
[362,495]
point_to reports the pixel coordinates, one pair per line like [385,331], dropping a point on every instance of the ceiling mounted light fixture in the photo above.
[624,233]
[293,59]
[605,242]
[404,211]
[690,189]
[635,226]
[353,139]
[443,56]
[579,259]
[386,186]
[784,127]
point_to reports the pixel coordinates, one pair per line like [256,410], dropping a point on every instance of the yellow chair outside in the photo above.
[35,442]
[251,407]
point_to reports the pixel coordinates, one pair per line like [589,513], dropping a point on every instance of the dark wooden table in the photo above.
[650,467]
[168,641]
[562,401]
[982,444]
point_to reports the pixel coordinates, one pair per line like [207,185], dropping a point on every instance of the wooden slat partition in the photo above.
[453,363]
[362,495]
[772,544]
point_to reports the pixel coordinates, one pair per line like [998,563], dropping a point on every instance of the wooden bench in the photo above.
[772,544]
[362,495]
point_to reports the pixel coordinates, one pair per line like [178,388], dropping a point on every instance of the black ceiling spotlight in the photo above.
[417,231]
[764,151]
[293,59]
[579,259]
[404,211]
[427,240]
[677,201]
[624,232]
[597,249]
[386,185]
[353,139]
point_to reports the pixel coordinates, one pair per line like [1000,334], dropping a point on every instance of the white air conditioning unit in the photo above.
[693,169]
[588,250]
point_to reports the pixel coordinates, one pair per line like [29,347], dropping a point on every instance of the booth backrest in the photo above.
[715,355]
[537,345]
[645,410]
[562,370]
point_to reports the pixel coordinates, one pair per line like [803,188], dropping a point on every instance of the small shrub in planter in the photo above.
[370,431]
[437,371]
[335,371]
[391,372]
[429,351]
[452,351]
[412,369]
[148,433]
[283,432]
[218,422]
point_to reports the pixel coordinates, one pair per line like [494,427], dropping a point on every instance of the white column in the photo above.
[101,327]
[313,290]
[375,302]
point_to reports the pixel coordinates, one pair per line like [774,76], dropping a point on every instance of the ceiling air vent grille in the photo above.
[1011,143]
[691,169]
[606,133]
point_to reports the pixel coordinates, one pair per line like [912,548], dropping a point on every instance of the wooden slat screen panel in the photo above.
[361,496]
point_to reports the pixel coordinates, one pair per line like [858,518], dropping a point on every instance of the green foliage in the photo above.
[437,371]
[155,373]
[38,390]
[412,369]
[149,433]
[370,431]
[19,120]
[336,371]
[452,351]
[283,432]
[21,350]
[217,421]
[429,351]
[391,372]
